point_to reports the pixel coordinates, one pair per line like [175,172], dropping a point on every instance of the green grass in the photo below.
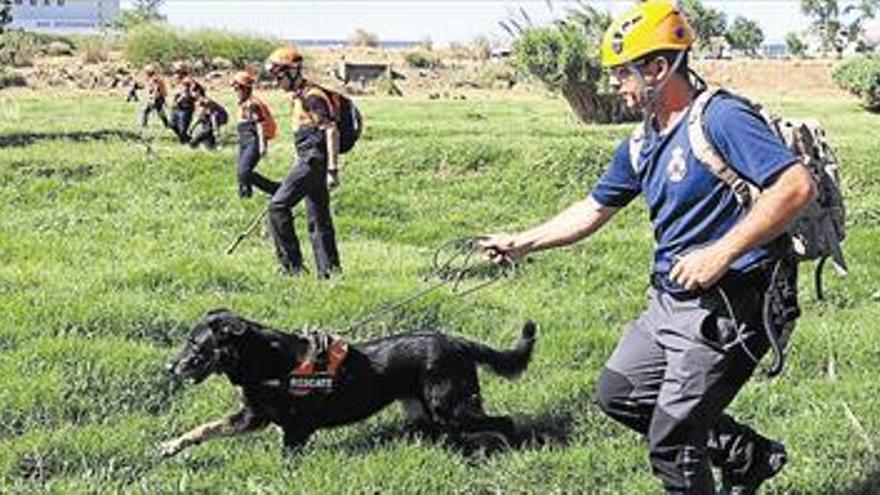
[107,257]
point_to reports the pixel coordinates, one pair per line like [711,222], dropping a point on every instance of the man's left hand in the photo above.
[701,268]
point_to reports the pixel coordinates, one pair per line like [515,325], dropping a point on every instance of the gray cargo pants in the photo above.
[674,372]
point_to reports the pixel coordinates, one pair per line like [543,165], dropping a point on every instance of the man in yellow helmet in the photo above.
[683,360]
[314,172]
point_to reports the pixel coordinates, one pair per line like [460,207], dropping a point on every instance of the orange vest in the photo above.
[158,87]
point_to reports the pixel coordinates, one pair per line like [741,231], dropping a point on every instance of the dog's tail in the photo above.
[511,362]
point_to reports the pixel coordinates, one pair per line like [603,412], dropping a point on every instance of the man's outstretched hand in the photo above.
[502,248]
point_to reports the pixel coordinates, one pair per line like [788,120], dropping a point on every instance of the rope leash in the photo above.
[451,270]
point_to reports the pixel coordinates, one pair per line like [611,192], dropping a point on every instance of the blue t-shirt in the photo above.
[689,206]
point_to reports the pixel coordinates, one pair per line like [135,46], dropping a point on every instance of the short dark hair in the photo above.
[682,70]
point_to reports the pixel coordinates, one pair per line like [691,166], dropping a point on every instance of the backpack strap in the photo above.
[324,94]
[636,141]
[706,152]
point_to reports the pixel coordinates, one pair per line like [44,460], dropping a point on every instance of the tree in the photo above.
[746,35]
[362,37]
[839,23]
[796,46]
[826,23]
[709,23]
[860,12]
[142,12]
[565,57]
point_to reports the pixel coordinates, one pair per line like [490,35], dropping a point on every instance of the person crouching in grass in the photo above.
[212,116]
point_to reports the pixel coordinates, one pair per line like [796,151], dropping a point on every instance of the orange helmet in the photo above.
[646,27]
[180,67]
[285,57]
[150,69]
[243,79]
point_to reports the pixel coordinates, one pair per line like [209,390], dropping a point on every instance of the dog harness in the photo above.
[322,362]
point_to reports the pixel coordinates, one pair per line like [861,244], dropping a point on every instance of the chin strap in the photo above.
[651,92]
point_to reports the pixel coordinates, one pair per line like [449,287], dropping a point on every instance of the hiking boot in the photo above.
[764,466]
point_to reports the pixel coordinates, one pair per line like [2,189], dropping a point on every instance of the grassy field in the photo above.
[107,256]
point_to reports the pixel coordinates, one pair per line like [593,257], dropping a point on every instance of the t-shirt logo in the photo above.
[677,167]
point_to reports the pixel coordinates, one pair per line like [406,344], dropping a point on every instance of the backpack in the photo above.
[346,115]
[270,128]
[818,233]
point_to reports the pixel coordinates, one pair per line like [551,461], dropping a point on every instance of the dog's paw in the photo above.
[170,448]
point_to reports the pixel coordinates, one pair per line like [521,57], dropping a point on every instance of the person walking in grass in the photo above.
[188,93]
[212,116]
[683,360]
[256,127]
[158,94]
[314,171]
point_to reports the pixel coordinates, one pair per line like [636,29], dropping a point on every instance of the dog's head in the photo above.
[210,347]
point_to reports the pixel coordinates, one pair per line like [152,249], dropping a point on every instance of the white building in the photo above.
[63,16]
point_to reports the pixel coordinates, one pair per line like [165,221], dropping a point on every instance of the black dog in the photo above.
[432,374]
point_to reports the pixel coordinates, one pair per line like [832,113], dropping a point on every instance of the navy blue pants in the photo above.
[248,158]
[306,180]
[181,119]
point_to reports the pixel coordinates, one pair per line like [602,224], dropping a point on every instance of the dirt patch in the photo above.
[778,77]
[456,77]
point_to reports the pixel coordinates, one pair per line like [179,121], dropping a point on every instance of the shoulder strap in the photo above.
[324,94]
[706,152]
[636,140]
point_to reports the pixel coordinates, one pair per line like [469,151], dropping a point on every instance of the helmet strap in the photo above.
[294,74]
[651,92]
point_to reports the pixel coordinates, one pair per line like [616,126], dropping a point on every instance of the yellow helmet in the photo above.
[647,27]
[286,57]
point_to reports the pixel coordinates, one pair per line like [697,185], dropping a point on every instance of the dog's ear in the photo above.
[224,322]
[217,311]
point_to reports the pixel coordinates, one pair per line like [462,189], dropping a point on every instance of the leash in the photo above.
[450,271]
[777,343]
[247,231]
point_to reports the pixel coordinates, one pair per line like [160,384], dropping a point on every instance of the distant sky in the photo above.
[442,21]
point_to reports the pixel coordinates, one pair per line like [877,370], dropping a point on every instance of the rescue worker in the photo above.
[315,170]
[678,365]
[212,116]
[188,93]
[158,94]
[254,118]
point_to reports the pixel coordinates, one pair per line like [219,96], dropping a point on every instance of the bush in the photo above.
[94,50]
[19,48]
[861,77]
[154,43]
[422,60]
[10,78]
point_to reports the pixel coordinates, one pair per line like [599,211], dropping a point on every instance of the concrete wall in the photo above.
[63,16]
